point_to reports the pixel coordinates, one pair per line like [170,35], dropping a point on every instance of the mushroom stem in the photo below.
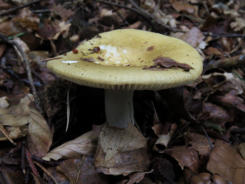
[119,108]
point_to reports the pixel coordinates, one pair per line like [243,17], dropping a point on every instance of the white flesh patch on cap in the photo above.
[113,56]
[69,62]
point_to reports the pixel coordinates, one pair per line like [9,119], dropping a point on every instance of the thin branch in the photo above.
[24,59]
[228,35]
[18,8]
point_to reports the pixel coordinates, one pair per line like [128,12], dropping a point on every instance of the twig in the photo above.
[227,35]
[46,172]
[18,8]
[6,134]
[155,23]
[23,57]
[208,138]
[31,164]
[226,62]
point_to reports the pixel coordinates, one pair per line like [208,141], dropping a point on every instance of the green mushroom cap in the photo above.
[125,59]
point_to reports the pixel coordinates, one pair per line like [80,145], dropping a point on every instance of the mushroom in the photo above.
[122,61]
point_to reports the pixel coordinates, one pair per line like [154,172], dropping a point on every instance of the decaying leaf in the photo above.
[81,170]
[186,157]
[23,115]
[227,162]
[184,6]
[121,151]
[195,38]
[166,63]
[82,145]
[200,143]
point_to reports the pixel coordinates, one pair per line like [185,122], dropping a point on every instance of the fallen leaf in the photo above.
[242,150]
[227,162]
[186,157]
[137,177]
[200,143]
[82,170]
[82,145]
[121,151]
[238,24]
[166,63]
[184,6]
[215,113]
[22,116]
[195,38]
[4,5]
[62,12]
[27,20]
[232,100]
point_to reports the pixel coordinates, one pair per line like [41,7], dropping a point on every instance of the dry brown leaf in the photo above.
[242,150]
[52,30]
[195,38]
[27,20]
[81,171]
[20,117]
[39,136]
[62,12]
[184,6]
[121,151]
[162,63]
[2,49]
[232,100]
[137,177]
[83,145]
[227,162]
[186,157]
[238,24]
[4,5]
[200,143]
[8,28]
[215,113]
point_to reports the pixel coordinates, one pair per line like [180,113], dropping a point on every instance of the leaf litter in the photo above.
[207,125]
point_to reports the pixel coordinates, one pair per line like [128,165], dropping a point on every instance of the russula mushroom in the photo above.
[125,60]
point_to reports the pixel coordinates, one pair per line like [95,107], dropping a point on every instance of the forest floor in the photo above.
[49,127]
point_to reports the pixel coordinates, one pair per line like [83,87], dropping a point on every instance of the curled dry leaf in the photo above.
[21,117]
[164,134]
[186,157]
[227,162]
[82,145]
[166,63]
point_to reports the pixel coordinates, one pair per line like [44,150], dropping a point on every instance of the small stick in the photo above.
[46,172]
[6,134]
[23,165]
[31,164]
[227,35]
[18,8]
[24,59]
